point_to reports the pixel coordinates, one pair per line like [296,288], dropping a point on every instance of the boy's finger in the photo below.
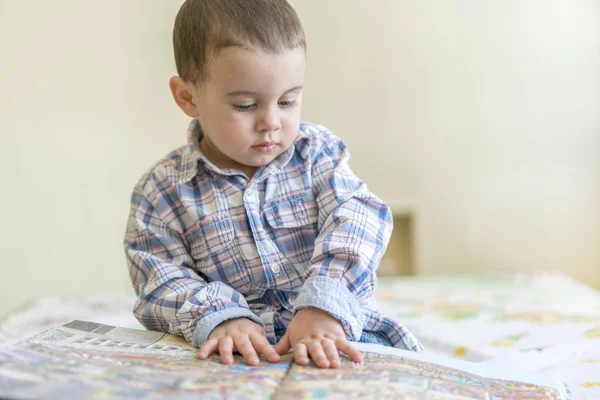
[331,352]
[207,348]
[263,346]
[283,346]
[346,347]
[318,355]
[244,346]
[226,349]
[300,354]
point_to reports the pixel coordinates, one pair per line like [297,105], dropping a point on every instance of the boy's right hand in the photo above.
[241,335]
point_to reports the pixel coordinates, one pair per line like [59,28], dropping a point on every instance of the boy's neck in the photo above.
[221,161]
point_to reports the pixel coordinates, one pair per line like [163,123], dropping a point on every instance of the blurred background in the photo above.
[477,121]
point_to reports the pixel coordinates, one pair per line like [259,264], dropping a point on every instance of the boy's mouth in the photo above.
[265,147]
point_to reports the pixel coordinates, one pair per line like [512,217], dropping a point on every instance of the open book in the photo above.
[88,360]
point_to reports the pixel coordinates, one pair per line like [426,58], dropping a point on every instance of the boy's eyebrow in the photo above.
[249,93]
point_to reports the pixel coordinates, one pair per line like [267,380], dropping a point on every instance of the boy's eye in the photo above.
[286,104]
[252,107]
[244,107]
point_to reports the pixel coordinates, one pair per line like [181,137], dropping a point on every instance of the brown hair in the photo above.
[204,27]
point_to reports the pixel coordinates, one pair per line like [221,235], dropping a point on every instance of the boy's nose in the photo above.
[269,121]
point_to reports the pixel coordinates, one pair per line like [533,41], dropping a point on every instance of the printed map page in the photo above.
[88,360]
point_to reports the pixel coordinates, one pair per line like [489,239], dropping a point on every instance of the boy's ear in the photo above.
[183,97]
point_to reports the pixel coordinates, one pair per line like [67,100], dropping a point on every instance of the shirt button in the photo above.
[292,298]
[275,268]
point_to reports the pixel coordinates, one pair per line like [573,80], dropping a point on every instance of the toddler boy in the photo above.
[256,237]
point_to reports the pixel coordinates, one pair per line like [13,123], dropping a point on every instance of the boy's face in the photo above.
[249,106]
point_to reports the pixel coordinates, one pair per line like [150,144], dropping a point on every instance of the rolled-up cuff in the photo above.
[208,323]
[333,297]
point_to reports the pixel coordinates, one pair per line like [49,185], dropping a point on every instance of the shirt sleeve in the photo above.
[172,296]
[354,229]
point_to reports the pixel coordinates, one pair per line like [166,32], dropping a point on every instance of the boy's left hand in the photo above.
[316,333]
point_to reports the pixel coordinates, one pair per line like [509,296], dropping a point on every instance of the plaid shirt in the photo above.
[205,245]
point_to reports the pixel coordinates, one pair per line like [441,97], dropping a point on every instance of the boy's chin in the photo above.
[261,161]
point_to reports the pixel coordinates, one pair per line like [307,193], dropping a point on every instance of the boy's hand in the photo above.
[316,333]
[241,335]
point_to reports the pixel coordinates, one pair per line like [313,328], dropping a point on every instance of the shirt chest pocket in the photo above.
[213,247]
[292,223]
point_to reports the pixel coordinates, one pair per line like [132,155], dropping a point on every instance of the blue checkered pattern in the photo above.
[205,245]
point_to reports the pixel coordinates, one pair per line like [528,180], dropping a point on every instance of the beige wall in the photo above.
[84,110]
[482,116]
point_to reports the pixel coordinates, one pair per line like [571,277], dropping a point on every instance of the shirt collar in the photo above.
[192,156]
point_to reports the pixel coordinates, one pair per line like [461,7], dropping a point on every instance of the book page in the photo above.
[91,360]
[389,373]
